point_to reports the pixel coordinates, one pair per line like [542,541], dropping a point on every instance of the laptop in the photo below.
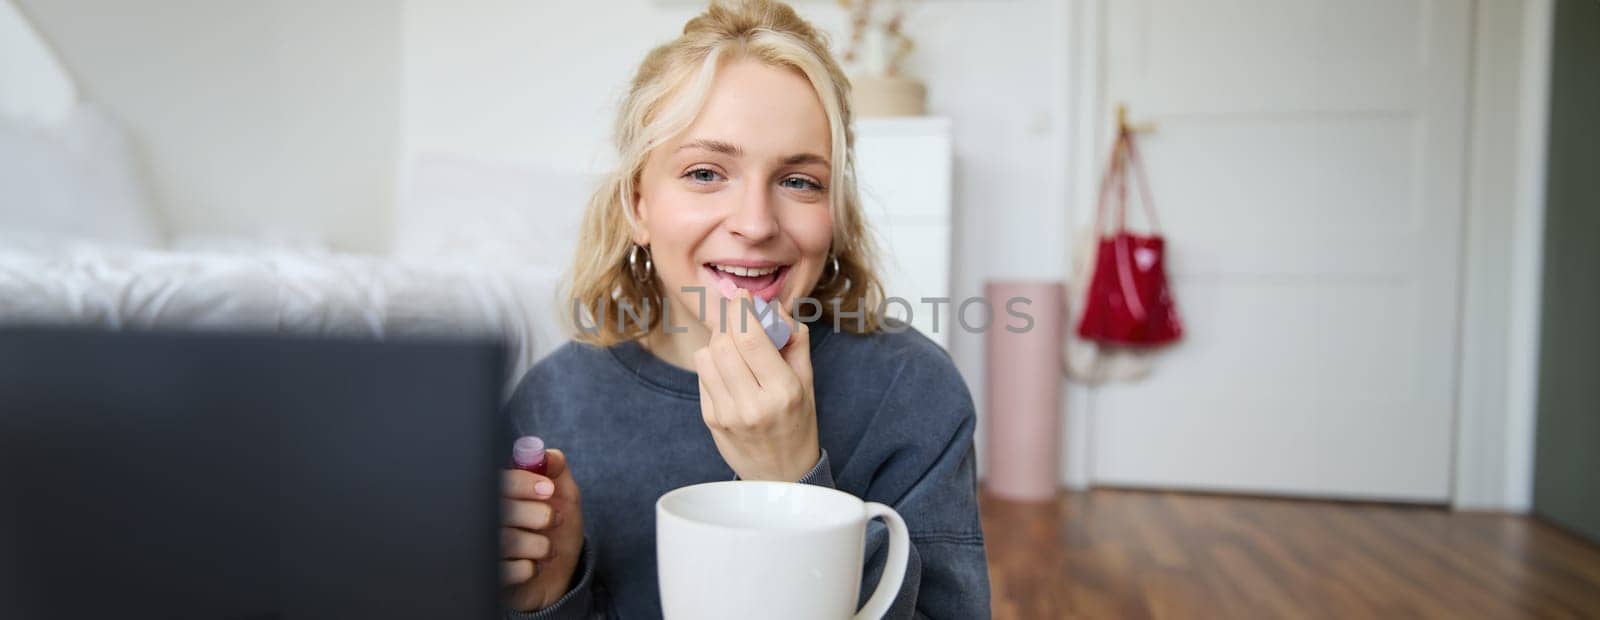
[210,475]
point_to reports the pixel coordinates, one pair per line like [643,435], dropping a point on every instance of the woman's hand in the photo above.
[758,402]
[542,535]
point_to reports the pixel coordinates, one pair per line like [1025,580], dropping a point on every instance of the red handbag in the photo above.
[1128,302]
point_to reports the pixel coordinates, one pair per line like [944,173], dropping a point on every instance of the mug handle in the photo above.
[894,568]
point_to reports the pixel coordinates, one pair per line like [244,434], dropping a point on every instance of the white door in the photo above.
[1307,167]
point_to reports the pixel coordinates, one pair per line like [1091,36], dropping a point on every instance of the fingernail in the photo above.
[543,487]
[557,520]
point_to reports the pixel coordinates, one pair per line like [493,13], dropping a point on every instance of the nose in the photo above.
[755,218]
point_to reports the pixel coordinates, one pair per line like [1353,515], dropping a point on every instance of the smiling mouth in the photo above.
[763,283]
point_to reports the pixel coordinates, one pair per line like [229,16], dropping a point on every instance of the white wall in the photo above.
[268,117]
[538,82]
[33,85]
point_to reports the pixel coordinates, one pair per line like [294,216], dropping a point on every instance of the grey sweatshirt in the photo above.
[895,422]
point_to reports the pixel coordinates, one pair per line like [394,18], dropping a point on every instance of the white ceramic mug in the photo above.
[780,550]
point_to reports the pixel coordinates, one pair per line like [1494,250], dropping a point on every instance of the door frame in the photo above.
[1502,244]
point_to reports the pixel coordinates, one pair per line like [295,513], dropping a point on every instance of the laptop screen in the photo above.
[187,475]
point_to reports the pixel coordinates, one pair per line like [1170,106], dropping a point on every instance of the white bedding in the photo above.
[286,291]
[82,243]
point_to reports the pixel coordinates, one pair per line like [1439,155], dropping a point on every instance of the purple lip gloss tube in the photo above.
[528,455]
[777,330]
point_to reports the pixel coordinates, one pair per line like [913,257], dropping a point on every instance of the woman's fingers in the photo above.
[529,514]
[743,375]
[519,544]
[735,373]
[708,409]
[711,383]
[756,350]
[522,484]
[797,354]
[555,463]
[513,572]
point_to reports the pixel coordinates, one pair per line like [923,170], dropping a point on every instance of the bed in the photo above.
[285,291]
[81,242]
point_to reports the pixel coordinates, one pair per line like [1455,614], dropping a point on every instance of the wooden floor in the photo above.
[1132,554]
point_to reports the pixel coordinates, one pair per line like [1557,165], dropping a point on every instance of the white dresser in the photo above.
[903,169]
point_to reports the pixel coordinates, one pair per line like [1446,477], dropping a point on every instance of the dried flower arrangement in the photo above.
[894,38]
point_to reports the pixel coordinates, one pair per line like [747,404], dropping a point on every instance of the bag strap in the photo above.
[1112,176]
[1136,168]
[1123,163]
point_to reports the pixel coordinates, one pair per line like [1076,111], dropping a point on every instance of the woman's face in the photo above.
[742,195]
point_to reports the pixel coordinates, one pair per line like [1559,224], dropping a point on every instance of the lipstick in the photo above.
[778,331]
[528,455]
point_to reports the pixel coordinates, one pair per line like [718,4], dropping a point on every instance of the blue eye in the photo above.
[805,184]
[702,175]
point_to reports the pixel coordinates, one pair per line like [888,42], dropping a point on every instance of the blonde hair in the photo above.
[762,30]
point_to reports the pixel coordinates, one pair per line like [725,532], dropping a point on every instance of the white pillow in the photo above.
[74,181]
[461,209]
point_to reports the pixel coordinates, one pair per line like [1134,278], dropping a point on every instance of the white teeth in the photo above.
[744,271]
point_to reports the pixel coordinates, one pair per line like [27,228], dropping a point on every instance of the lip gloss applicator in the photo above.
[528,455]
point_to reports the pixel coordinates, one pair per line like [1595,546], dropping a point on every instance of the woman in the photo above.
[735,182]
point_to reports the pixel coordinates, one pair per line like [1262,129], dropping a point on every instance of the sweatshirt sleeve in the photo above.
[821,474]
[582,602]
[927,473]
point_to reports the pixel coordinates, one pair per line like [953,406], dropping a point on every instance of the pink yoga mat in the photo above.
[1022,451]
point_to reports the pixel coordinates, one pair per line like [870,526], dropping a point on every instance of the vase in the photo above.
[884,95]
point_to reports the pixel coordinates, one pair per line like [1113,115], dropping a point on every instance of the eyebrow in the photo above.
[805,158]
[733,150]
[726,148]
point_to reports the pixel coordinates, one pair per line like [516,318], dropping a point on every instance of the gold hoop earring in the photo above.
[633,265]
